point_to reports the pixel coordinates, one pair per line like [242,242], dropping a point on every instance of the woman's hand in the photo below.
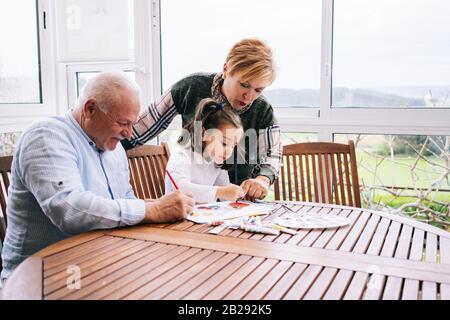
[256,188]
[230,192]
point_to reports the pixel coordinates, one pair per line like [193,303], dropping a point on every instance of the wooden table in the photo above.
[378,256]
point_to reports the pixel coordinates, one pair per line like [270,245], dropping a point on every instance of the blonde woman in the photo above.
[247,71]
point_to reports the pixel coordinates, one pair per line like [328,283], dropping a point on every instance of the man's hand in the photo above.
[256,188]
[171,207]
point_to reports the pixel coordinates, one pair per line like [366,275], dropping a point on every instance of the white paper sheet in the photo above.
[211,212]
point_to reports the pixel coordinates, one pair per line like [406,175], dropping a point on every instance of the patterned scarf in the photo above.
[217,95]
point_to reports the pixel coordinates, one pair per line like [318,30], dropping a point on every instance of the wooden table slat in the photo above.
[444,244]
[320,286]
[411,287]
[146,274]
[209,285]
[261,289]
[347,280]
[376,283]
[68,243]
[328,273]
[392,290]
[110,273]
[66,255]
[77,258]
[200,278]
[283,285]
[176,271]
[251,280]
[185,276]
[58,280]
[356,232]
[133,272]
[429,289]
[302,285]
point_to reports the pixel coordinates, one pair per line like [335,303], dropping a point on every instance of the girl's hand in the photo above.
[230,192]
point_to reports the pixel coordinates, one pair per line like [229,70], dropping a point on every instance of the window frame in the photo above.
[17,116]
[327,120]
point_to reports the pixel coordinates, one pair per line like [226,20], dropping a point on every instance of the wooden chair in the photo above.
[319,172]
[148,167]
[5,173]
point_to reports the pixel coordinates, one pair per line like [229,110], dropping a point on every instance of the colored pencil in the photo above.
[173,181]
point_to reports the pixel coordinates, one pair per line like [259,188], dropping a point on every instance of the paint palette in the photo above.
[210,212]
[312,221]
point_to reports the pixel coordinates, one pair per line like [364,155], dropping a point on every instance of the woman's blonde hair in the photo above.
[253,59]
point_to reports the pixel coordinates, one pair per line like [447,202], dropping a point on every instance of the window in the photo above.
[20,74]
[298,137]
[196,36]
[94,36]
[83,77]
[95,30]
[404,171]
[391,54]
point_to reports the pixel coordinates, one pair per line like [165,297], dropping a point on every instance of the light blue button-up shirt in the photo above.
[61,185]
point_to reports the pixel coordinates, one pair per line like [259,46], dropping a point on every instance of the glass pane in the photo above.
[83,77]
[169,136]
[95,30]
[19,53]
[391,53]
[404,174]
[298,137]
[197,35]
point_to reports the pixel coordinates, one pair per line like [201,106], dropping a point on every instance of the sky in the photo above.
[18,41]
[377,42]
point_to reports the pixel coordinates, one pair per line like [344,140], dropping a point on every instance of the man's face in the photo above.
[107,129]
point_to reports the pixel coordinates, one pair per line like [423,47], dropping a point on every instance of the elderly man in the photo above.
[70,174]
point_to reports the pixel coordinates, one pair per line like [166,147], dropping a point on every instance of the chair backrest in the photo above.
[5,174]
[148,168]
[319,172]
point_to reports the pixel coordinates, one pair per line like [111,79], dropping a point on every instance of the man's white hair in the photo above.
[105,87]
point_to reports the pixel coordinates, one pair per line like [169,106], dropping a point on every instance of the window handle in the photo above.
[44,18]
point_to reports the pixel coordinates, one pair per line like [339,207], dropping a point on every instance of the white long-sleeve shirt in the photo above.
[194,173]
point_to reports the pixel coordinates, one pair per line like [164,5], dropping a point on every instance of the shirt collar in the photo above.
[216,93]
[77,126]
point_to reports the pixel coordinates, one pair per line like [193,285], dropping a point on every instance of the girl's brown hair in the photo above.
[210,115]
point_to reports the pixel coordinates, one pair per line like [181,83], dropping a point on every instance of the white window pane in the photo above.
[298,137]
[19,53]
[197,35]
[83,77]
[95,30]
[391,53]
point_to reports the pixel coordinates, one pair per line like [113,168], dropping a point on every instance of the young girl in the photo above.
[213,133]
